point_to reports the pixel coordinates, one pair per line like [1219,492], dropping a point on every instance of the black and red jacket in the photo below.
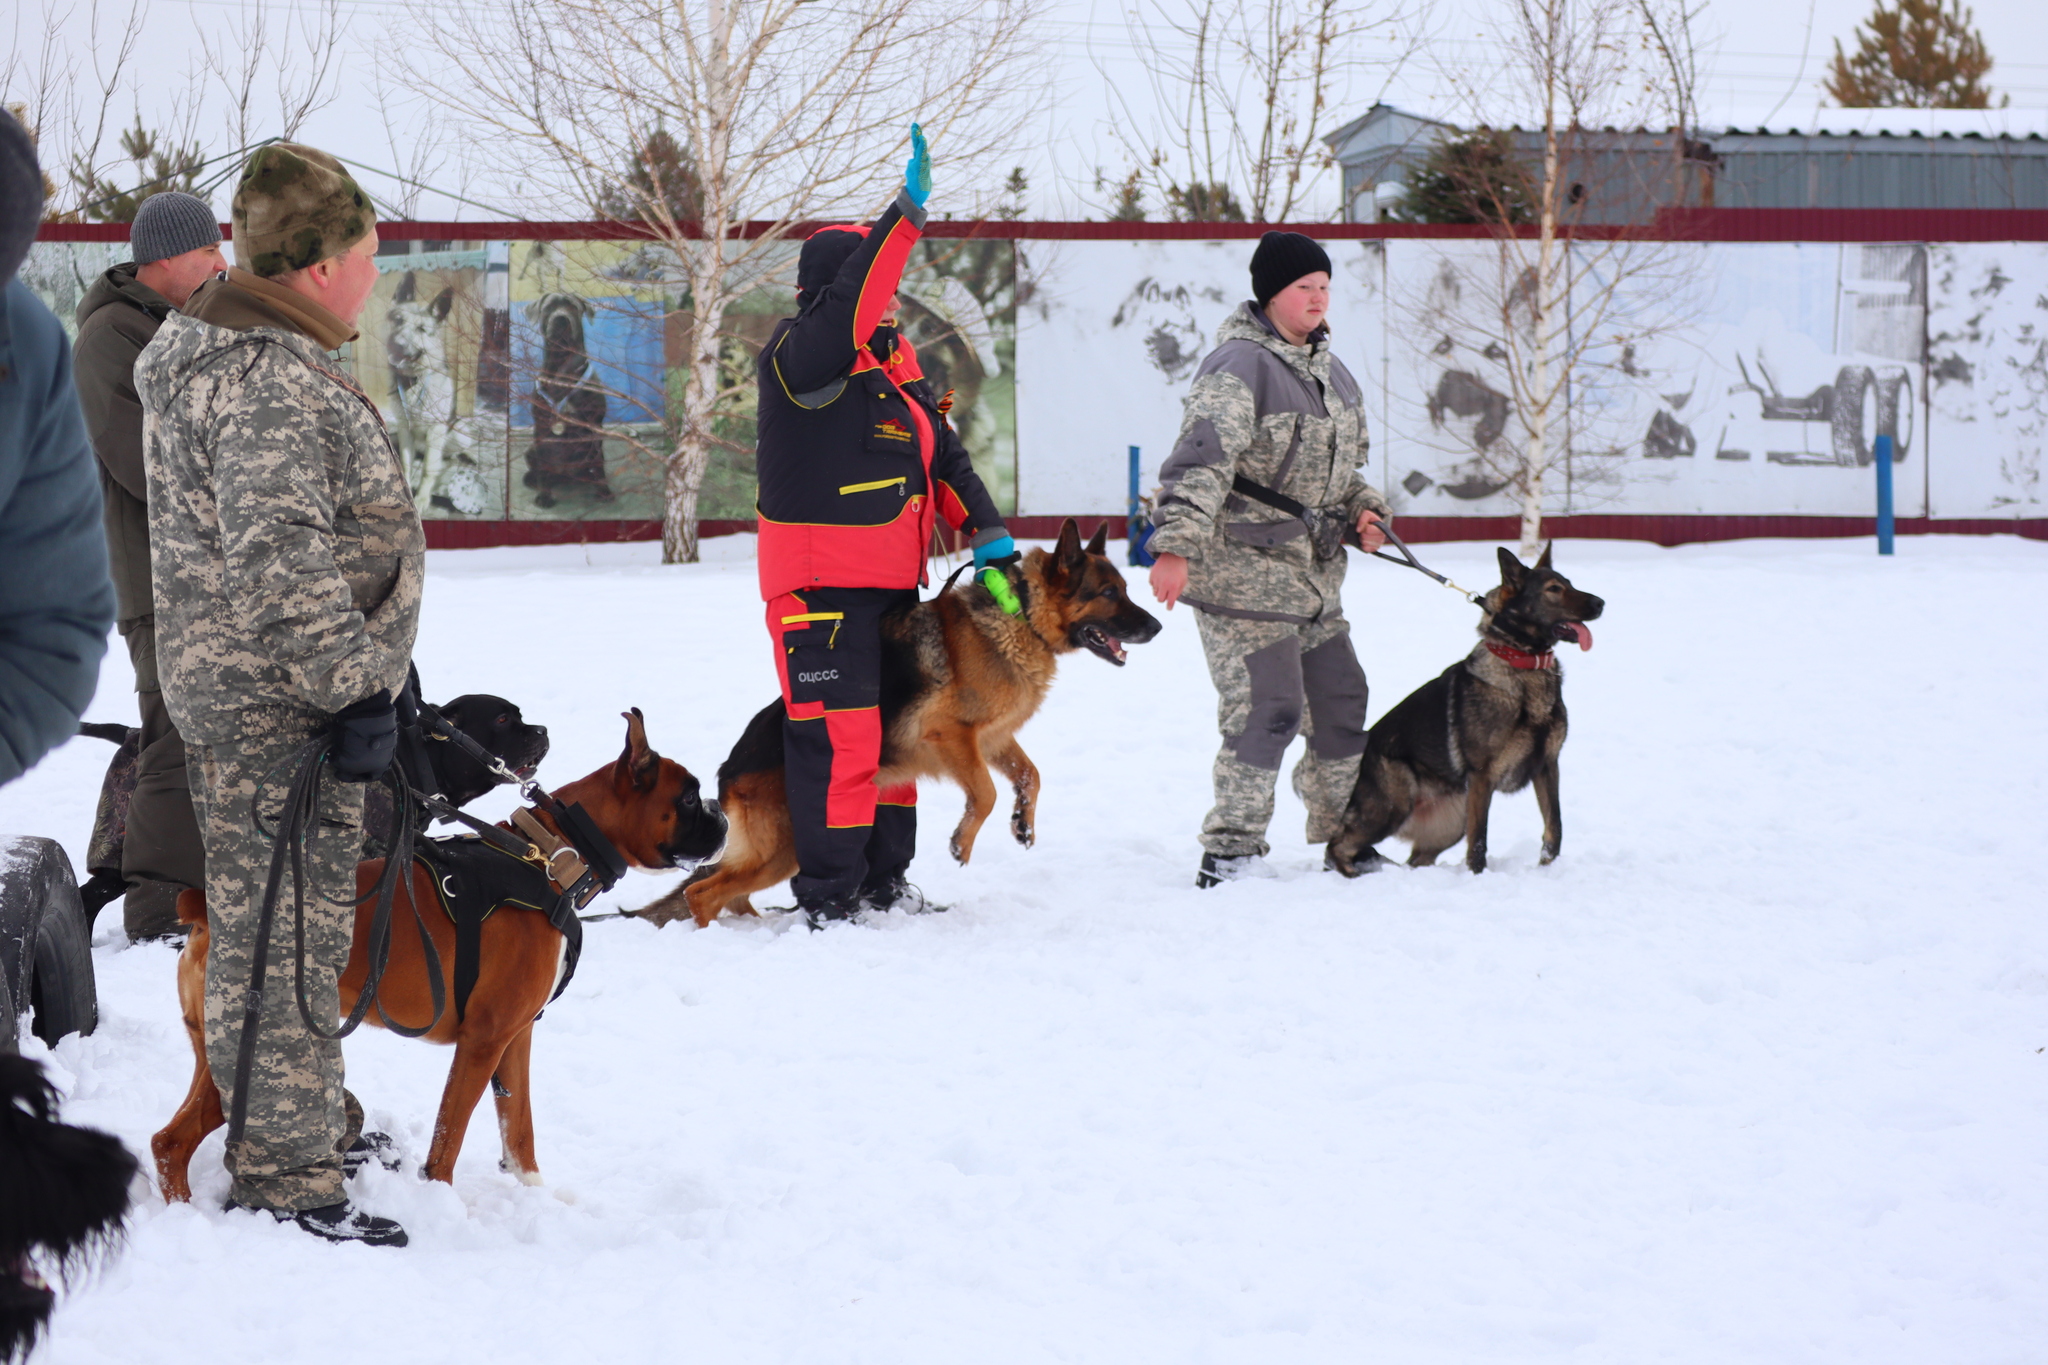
[854,458]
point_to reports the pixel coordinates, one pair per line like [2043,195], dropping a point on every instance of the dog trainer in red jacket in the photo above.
[855,461]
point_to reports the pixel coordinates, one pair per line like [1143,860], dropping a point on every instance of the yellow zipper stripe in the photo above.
[815,616]
[878,483]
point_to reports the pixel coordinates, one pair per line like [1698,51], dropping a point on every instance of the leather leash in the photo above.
[1314,519]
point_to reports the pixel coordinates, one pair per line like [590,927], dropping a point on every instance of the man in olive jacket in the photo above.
[287,565]
[1271,405]
[176,245]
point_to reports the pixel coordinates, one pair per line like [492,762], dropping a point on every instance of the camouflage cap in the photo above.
[296,205]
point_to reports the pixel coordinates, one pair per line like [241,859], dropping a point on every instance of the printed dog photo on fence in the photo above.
[417,356]
[589,409]
[60,273]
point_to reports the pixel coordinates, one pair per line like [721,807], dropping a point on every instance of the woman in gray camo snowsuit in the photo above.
[1271,405]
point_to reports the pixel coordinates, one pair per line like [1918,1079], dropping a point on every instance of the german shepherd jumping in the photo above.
[1494,721]
[959,678]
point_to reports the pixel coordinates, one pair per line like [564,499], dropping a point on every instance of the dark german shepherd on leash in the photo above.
[1494,721]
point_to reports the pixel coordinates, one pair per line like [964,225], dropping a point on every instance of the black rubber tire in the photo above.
[10,1029]
[45,946]
[1846,417]
[64,996]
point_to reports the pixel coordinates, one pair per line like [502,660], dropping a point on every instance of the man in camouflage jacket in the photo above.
[1271,405]
[287,566]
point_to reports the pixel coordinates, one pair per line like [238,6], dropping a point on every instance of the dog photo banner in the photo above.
[539,379]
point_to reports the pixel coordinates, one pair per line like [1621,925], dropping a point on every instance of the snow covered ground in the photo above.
[1754,1072]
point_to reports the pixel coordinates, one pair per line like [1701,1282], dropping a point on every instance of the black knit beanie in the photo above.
[21,195]
[1281,259]
[824,251]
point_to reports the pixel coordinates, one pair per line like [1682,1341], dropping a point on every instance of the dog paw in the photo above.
[1549,857]
[1020,825]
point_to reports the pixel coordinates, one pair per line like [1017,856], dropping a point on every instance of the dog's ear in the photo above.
[1099,542]
[1066,552]
[1511,570]
[638,764]
[1543,563]
[408,289]
[443,304]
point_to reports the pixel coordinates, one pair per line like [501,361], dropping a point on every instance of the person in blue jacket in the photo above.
[56,599]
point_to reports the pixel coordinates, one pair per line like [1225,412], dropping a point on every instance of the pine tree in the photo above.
[1199,203]
[1914,54]
[159,166]
[1130,199]
[1469,178]
[662,174]
[1012,205]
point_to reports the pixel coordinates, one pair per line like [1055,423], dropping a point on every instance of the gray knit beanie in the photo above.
[171,224]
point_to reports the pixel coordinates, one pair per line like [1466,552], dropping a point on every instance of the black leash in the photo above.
[298,829]
[1320,523]
[1408,560]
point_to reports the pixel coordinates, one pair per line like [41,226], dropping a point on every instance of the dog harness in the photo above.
[535,868]
[473,879]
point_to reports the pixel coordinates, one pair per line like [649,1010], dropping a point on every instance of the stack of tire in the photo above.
[45,944]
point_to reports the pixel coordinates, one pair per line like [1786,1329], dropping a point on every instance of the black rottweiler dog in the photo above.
[492,722]
[1493,721]
[497,725]
[63,1199]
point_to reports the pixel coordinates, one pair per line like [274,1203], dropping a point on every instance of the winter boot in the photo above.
[1224,867]
[832,910]
[900,896]
[342,1222]
[369,1146]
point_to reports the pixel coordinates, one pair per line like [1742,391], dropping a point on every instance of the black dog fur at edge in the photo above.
[64,1194]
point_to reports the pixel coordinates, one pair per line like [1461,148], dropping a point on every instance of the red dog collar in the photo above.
[1520,658]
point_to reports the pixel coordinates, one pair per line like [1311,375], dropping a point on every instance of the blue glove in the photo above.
[1000,551]
[917,176]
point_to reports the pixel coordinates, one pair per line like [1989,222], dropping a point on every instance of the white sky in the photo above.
[1763,56]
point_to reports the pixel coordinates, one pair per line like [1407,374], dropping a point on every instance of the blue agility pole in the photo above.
[1882,457]
[1134,522]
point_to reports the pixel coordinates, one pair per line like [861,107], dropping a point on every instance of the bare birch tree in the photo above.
[783,112]
[257,76]
[1242,92]
[1566,304]
[273,74]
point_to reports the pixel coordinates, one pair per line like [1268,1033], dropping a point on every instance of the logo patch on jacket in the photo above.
[893,430]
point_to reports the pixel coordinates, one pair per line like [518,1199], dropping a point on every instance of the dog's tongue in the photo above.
[1585,636]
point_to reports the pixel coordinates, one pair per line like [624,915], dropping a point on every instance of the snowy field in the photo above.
[1755,1072]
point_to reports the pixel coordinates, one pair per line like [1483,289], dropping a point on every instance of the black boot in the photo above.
[900,896]
[1223,867]
[342,1222]
[369,1146]
[831,910]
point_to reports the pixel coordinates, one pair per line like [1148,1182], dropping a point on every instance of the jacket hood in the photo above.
[184,345]
[119,285]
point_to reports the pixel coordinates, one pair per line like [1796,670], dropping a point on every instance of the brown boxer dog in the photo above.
[647,805]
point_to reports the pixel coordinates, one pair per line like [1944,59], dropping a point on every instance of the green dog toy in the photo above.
[999,588]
